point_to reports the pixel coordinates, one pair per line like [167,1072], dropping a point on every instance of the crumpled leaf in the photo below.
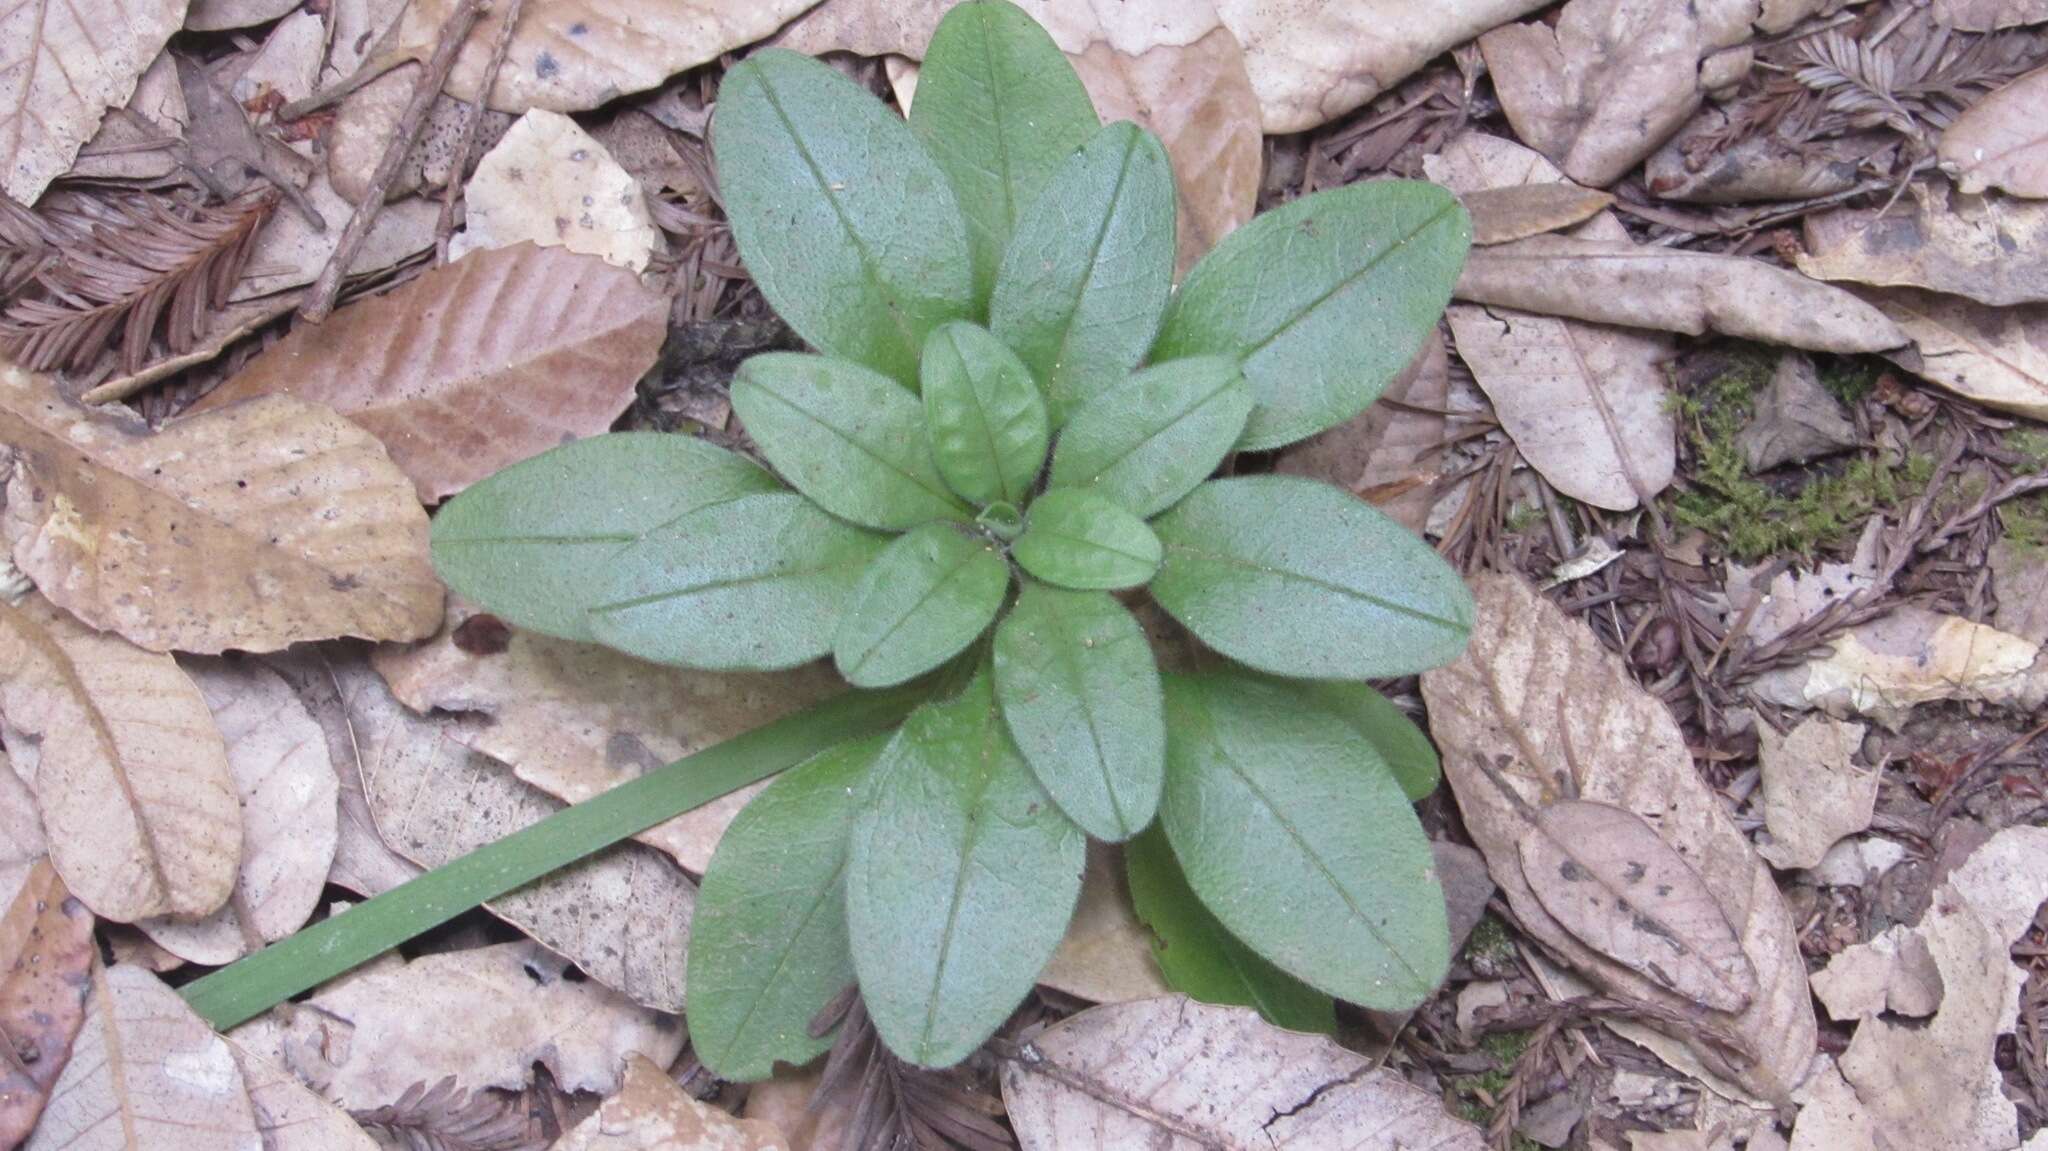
[47,954]
[650,1112]
[1883,669]
[1996,356]
[549,183]
[1388,453]
[1796,419]
[1813,793]
[255,527]
[474,365]
[1539,710]
[64,65]
[1990,249]
[127,767]
[289,1115]
[1173,1073]
[1893,972]
[2001,140]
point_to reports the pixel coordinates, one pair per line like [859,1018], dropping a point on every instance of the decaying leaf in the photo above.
[1991,249]
[1794,596]
[474,365]
[363,125]
[287,66]
[127,767]
[46,959]
[289,1116]
[549,183]
[576,720]
[22,843]
[2020,576]
[1537,712]
[1813,793]
[1883,669]
[1388,454]
[2001,141]
[1996,356]
[1518,211]
[1795,419]
[1106,956]
[251,527]
[1893,972]
[1989,15]
[133,145]
[145,1072]
[1173,1073]
[484,1016]
[290,251]
[62,65]
[651,1113]
[287,788]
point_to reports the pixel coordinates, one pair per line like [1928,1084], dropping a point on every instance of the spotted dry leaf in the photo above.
[63,63]
[46,958]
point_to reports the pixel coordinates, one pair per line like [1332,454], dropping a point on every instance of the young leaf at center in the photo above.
[1079,539]
[919,604]
[984,416]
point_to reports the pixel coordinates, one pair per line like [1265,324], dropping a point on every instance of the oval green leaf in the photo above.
[983,415]
[752,584]
[1001,109]
[1148,441]
[963,875]
[1086,277]
[768,947]
[1406,750]
[922,601]
[851,439]
[1202,959]
[532,543]
[1297,838]
[1076,681]
[1078,539]
[1297,578]
[1325,299]
[842,218]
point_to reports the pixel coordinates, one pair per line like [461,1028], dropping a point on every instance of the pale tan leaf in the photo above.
[1106,955]
[1796,419]
[874,27]
[576,720]
[289,1116]
[549,183]
[1176,1075]
[1516,212]
[46,959]
[22,843]
[127,768]
[484,1016]
[1989,15]
[63,63]
[1814,794]
[218,15]
[1537,711]
[1991,249]
[368,116]
[1887,667]
[287,787]
[1607,877]
[290,251]
[125,150]
[1389,454]
[146,1073]
[2001,141]
[651,1113]
[1893,972]
[287,66]
[1996,356]
[253,527]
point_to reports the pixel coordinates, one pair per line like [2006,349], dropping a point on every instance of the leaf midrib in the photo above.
[1185,414]
[1242,563]
[1345,284]
[984,779]
[945,497]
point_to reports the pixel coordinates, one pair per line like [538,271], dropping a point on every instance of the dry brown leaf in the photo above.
[1813,792]
[218,15]
[289,1116]
[22,843]
[126,150]
[1796,419]
[1885,668]
[46,959]
[2001,141]
[1173,1074]
[290,252]
[484,1016]
[1794,596]
[1990,15]
[651,1113]
[475,365]
[62,65]
[287,66]
[253,527]
[368,116]
[145,1073]
[128,771]
[786,1100]
[1390,453]
[548,182]
[287,787]
[1996,356]
[1537,705]
[1893,972]
[1991,249]
[1516,212]
[1106,955]
[2019,575]
[576,720]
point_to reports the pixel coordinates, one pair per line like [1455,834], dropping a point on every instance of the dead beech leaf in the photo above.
[2001,141]
[1608,878]
[145,1072]
[1538,706]
[474,365]
[1885,668]
[1177,1075]
[126,765]
[289,1116]
[549,183]
[64,64]
[1106,955]
[1991,249]
[651,1113]
[1516,212]
[254,527]
[791,1102]
[1813,793]
[576,720]
[1389,454]
[46,959]
[1996,356]
[287,787]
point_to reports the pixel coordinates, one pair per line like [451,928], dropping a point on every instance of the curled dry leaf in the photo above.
[1885,668]
[1996,356]
[145,1072]
[651,1113]
[1990,249]
[289,1116]
[2001,141]
[46,960]
[548,182]
[1796,419]
[1537,712]
[287,67]
[1178,1075]
[474,365]
[1389,454]
[1106,956]
[252,527]
[126,765]
[64,65]
[1813,793]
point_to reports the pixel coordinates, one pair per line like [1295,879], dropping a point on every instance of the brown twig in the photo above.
[320,297]
[472,117]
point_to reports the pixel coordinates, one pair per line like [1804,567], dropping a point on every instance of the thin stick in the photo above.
[320,297]
[470,121]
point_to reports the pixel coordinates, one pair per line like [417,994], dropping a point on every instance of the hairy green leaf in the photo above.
[920,603]
[1086,277]
[1325,299]
[754,583]
[768,947]
[1079,539]
[844,221]
[1408,752]
[1297,578]
[1000,108]
[531,543]
[1200,957]
[851,439]
[1149,440]
[983,414]
[1297,838]
[1078,687]
[963,876]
